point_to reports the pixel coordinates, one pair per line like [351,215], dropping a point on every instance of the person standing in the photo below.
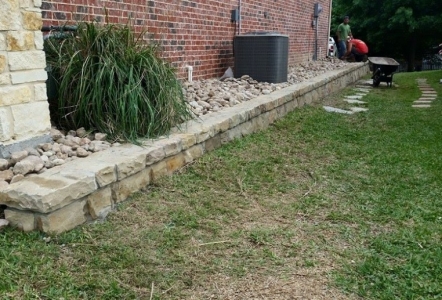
[343,34]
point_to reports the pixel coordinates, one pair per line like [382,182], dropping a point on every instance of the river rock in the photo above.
[3,164]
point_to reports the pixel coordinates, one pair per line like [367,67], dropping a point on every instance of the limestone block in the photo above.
[100,203]
[128,159]
[246,128]
[37,3]
[158,170]
[6,124]
[10,15]
[171,145]
[38,40]
[49,191]
[194,153]
[2,42]
[32,20]
[175,163]
[3,63]
[223,124]
[212,143]
[230,135]
[23,220]
[20,41]
[286,108]
[154,154]
[5,79]
[64,219]
[187,139]
[104,171]
[26,60]
[24,3]
[259,123]
[40,92]
[28,76]
[38,124]
[10,95]
[124,188]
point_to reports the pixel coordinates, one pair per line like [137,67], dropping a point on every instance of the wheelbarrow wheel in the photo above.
[376,78]
[376,81]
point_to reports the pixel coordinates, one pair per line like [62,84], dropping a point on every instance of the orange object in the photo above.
[359,46]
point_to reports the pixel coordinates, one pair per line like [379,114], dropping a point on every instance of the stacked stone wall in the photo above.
[24,110]
[87,190]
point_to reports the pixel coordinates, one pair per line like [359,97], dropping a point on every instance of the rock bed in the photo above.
[212,95]
[203,97]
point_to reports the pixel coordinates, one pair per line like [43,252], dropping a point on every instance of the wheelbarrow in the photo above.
[383,69]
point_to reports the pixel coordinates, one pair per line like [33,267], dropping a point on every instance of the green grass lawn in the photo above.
[321,205]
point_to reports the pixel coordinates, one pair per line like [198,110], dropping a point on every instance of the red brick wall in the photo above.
[199,33]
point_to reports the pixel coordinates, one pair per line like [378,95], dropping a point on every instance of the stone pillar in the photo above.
[24,109]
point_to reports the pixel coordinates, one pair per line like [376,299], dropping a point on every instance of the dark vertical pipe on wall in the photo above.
[239,18]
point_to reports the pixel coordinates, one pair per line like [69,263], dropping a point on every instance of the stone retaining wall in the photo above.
[24,111]
[89,188]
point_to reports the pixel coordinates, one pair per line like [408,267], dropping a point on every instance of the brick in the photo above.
[26,60]
[23,220]
[64,219]
[29,76]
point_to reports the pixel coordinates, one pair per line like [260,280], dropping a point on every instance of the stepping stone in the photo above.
[425,88]
[358,109]
[364,90]
[352,101]
[353,97]
[421,105]
[422,102]
[426,98]
[337,110]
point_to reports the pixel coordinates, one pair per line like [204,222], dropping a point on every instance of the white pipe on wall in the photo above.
[189,73]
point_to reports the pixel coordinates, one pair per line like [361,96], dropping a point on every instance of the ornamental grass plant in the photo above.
[111,80]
